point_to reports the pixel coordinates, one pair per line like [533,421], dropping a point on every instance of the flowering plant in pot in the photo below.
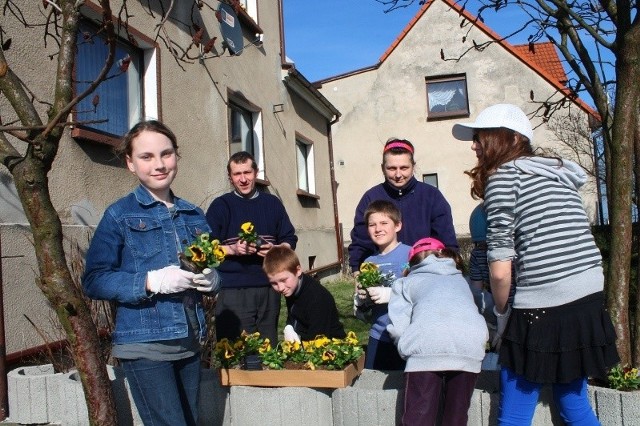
[201,253]
[370,276]
[249,235]
[320,353]
[624,378]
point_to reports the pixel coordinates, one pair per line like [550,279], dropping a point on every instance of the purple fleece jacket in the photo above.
[425,213]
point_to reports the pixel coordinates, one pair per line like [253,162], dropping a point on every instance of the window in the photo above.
[251,7]
[431,179]
[306,169]
[447,96]
[130,92]
[245,130]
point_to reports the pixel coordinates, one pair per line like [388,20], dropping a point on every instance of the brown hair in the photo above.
[384,207]
[443,253]
[280,258]
[126,146]
[499,146]
[241,158]
[395,146]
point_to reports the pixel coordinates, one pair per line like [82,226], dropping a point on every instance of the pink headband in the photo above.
[424,245]
[398,144]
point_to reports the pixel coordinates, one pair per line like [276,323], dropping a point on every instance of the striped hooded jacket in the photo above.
[536,219]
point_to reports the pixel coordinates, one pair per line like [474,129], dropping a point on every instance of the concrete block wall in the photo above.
[375,398]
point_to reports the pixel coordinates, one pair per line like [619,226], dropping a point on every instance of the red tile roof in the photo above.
[544,55]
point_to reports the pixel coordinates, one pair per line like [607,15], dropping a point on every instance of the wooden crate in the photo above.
[301,378]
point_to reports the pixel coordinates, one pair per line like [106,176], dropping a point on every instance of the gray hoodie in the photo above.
[434,321]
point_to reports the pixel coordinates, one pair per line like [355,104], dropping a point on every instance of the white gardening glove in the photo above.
[208,281]
[380,295]
[170,279]
[502,320]
[290,334]
[356,302]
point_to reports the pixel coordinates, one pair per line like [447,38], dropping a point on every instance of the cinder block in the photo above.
[75,411]
[34,395]
[608,406]
[213,402]
[630,408]
[616,408]
[280,406]
[475,409]
[375,398]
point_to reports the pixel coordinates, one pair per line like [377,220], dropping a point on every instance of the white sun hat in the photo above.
[499,115]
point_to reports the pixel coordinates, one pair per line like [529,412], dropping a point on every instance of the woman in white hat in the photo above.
[557,330]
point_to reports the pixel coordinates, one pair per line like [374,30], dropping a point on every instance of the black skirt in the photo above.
[562,343]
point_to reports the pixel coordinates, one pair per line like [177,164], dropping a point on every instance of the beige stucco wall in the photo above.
[86,177]
[391,101]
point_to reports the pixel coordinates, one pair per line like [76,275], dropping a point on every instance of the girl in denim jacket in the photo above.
[133,261]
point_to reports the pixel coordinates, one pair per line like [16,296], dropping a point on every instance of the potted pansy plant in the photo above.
[202,253]
[370,276]
[249,235]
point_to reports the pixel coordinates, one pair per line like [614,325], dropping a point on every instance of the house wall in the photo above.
[86,177]
[391,101]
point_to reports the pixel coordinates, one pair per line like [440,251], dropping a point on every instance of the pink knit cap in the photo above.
[425,244]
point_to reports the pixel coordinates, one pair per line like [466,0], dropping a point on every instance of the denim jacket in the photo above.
[138,234]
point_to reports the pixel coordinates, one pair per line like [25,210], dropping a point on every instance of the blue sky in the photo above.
[329,37]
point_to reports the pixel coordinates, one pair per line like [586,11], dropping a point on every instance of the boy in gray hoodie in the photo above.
[439,332]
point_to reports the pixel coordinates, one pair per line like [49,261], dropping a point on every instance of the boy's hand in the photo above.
[290,334]
[361,293]
[380,295]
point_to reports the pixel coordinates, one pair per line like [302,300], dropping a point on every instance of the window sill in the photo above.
[245,18]
[95,137]
[446,115]
[302,193]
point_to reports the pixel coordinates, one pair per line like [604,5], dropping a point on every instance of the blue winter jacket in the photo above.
[425,213]
[138,234]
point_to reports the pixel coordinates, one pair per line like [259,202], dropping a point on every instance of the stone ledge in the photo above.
[376,397]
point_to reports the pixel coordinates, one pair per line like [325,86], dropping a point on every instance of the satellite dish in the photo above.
[230,29]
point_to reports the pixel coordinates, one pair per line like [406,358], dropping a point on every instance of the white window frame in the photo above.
[305,161]
[143,84]
[255,114]
[251,7]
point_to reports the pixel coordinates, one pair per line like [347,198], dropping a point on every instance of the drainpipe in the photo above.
[334,193]
[4,398]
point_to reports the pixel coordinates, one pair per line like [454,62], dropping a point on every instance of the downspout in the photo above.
[4,392]
[283,56]
[334,194]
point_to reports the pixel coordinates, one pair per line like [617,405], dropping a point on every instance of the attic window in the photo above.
[447,96]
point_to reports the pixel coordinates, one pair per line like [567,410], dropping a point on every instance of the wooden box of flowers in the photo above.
[319,363]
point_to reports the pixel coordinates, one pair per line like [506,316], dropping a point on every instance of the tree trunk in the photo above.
[635,330]
[57,284]
[623,132]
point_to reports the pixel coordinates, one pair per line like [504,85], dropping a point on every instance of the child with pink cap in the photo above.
[439,332]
